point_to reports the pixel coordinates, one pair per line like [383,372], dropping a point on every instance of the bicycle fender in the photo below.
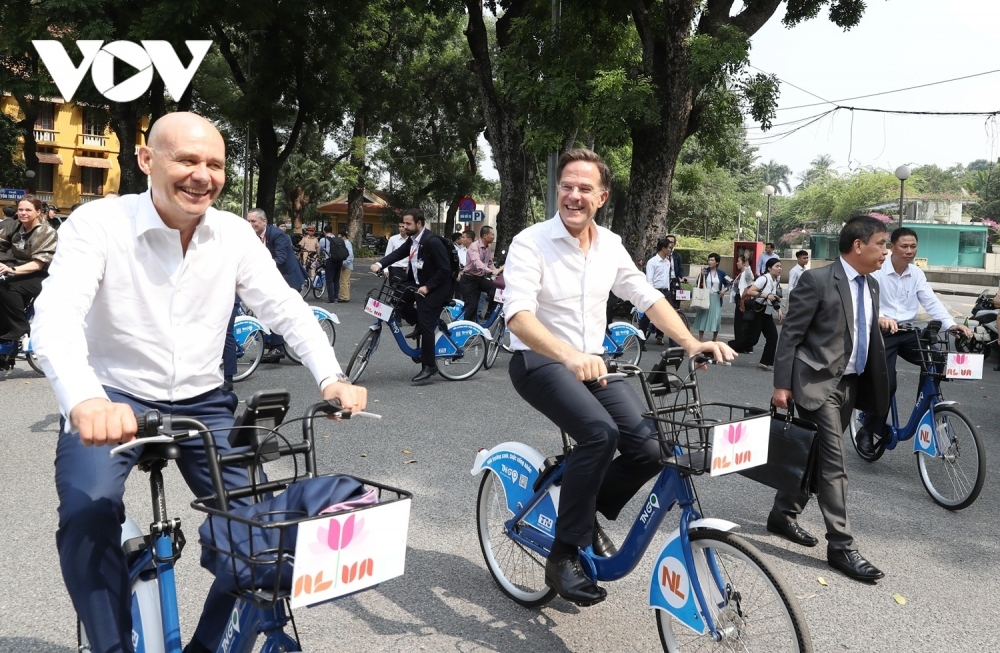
[245,326]
[518,466]
[622,330]
[460,332]
[321,313]
[147,629]
[670,587]
[926,441]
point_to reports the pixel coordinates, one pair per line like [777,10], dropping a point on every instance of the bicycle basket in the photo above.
[688,428]
[251,548]
[933,350]
[392,294]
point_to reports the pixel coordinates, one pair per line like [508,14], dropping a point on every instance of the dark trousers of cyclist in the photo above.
[333,268]
[762,324]
[418,310]
[230,349]
[15,295]
[91,486]
[645,324]
[397,274]
[471,287]
[599,420]
[898,344]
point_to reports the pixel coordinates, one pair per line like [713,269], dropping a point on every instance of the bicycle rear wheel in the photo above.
[319,285]
[331,335]
[33,362]
[519,571]
[493,347]
[362,355]
[249,360]
[750,605]
[878,440]
[631,350]
[954,478]
[459,369]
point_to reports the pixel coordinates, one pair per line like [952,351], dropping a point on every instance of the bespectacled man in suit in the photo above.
[830,360]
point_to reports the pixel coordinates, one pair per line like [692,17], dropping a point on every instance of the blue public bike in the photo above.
[950,456]
[710,589]
[253,337]
[460,347]
[494,322]
[12,351]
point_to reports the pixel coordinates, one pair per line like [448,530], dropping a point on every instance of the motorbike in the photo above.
[983,323]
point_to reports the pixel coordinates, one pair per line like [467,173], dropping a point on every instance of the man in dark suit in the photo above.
[428,276]
[280,245]
[831,359]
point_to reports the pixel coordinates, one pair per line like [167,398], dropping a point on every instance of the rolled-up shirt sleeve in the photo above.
[523,276]
[930,302]
[261,286]
[632,285]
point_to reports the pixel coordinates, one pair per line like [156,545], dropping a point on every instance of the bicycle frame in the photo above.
[412,352]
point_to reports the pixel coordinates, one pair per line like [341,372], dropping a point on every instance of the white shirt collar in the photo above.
[560,232]
[851,272]
[148,218]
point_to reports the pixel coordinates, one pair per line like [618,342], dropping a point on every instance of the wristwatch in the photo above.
[343,378]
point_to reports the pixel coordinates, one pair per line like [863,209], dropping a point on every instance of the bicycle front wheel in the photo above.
[750,605]
[253,351]
[33,362]
[519,571]
[878,440]
[954,477]
[318,286]
[631,350]
[473,357]
[362,355]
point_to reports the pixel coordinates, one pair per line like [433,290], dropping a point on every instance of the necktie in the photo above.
[862,333]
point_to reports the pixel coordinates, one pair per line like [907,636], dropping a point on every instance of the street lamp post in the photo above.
[768,191]
[704,215]
[739,223]
[902,174]
[29,175]
[756,233]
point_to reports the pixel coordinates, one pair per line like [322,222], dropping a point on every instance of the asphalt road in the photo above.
[946,565]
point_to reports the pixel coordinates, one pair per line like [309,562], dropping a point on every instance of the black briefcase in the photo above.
[792,455]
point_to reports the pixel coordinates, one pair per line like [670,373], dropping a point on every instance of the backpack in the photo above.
[338,250]
[456,264]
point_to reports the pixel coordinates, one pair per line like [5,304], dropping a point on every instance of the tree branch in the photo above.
[754,15]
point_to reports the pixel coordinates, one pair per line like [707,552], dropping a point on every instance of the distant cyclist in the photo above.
[133,317]
[559,274]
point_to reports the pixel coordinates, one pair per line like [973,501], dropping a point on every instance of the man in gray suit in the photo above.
[831,359]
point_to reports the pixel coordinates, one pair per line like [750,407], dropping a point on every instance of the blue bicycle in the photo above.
[459,347]
[951,459]
[494,323]
[316,284]
[709,587]
[262,607]
[253,337]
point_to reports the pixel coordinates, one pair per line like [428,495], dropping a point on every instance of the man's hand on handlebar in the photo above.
[586,367]
[102,422]
[888,325]
[351,397]
[964,330]
[721,351]
[375,267]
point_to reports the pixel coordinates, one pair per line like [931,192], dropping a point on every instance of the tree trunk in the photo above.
[452,214]
[356,195]
[30,147]
[514,165]
[267,166]
[125,120]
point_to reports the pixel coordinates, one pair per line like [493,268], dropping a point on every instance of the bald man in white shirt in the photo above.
[559,274]
[133,317]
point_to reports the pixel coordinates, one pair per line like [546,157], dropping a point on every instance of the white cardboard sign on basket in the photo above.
[378,309]
[740,445]
[499,297]
[964,366]
[349,552]
[683,295]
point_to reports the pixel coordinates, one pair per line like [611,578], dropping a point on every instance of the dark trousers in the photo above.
[426,316]
[229,349]
[333,268]
[896,345]
[830,420]
[91,484]
[645,324]
[739,324]
[471,287]
[762,323]
[15,295]
[397,274]
[599,420]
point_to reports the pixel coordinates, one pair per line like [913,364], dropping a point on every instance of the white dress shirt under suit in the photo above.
[550,276]
[902,295]
[125,307]
[852,274]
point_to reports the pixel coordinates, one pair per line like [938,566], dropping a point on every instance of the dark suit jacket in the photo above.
[815,343]
[280,246]
[436,270]
[678,265]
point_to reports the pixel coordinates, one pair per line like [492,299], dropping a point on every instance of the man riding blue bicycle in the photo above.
[559,274]
[133,317]
[904,289]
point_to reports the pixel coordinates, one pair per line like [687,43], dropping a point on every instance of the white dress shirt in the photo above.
[793,277]
[851,275]
[901,295]
[395,243]
[550,276]
[416,263]
[124,307]
[463,252]
[659,271]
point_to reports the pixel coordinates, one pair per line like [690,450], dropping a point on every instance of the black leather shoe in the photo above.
[412,335]
[603,544]
[566,577]
[791,531]
[227,386]
[866,442]
[853,565]
[272,355]
[424,374]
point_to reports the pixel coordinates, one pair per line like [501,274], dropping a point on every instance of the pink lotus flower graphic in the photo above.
[338,536]
[960,359]
[734,433]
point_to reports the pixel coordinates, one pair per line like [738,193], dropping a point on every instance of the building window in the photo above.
[94,121]
[341,226]
[46,116]
[43,182]
[92,181]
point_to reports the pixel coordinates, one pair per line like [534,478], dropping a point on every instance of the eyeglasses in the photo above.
[583,190]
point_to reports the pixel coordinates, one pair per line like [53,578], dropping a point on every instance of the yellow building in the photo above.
[77,153]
